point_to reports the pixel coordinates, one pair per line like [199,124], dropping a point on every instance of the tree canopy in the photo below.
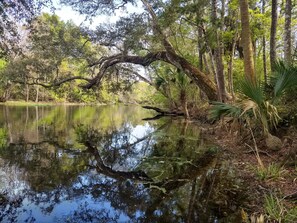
[204,40]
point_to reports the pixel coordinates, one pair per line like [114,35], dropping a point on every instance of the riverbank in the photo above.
[270,179]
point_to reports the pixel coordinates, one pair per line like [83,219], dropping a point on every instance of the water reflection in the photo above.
[105,164]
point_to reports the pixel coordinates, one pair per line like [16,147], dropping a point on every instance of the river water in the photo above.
[110,164]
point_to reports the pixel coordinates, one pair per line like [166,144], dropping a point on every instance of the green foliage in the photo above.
[182,80]
[271,172]
[55,50]
[253,104]
[274,208]
[4,80]
[84,96]
[174,87]
[261,109]
[58,46]
[3,64]
[259,23]
[283,79]
[142,93]
[252,91]
[238,74]
[291,215]
[277,211]
[220,109]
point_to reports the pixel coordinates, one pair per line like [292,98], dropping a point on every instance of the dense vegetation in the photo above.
[238,56]
[192,51]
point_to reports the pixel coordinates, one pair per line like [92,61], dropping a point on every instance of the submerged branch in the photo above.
[164,112]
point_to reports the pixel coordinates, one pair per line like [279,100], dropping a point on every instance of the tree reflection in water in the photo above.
[167,174]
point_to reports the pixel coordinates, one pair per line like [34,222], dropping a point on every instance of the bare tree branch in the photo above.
[55,84]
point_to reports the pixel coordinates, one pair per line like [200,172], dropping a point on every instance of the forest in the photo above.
[228,64]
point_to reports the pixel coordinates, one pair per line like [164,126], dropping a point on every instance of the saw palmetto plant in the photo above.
[254,103]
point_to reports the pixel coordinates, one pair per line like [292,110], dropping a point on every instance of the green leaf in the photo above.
[283,78]
[220,109]
[254,92]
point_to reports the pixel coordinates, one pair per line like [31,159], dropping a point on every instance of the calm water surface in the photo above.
[107,164]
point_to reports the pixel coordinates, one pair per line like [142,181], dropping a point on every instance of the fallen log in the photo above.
[164,112]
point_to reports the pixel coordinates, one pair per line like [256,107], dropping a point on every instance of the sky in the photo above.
[66,13]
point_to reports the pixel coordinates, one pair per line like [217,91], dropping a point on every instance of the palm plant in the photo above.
[254,103]
[182,82]
[283,79]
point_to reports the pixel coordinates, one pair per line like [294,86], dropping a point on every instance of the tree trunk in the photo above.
[254,44]
[264,47]
[37,122]
[273,33]
[37,94]
[287,34]
[206,64]
[27,93]
[230,66]
[264,59]
[184,102]
[218,55]
[200,53]
[247,42]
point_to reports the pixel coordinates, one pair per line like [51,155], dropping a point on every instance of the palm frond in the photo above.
[272,114]
[182,79]
[284,78]
[220,109]
[254,92]
[249,105]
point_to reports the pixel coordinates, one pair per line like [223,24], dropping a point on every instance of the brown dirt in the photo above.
[239,145]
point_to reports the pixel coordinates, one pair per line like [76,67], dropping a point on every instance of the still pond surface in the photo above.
[109,164]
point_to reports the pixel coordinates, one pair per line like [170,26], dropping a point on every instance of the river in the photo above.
[110,164]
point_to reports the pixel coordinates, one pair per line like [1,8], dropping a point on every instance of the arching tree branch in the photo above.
[199,78]
[169,55]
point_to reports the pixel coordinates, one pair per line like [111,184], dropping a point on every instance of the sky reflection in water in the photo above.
[100,164]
